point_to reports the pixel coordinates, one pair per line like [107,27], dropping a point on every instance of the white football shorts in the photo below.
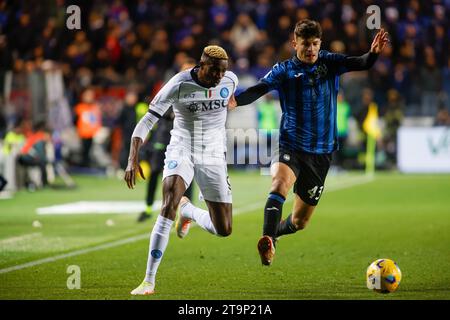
[210,172]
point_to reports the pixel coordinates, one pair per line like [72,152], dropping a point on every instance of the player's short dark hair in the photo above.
[308,29]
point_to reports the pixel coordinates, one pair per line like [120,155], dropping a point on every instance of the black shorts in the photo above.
[310,170]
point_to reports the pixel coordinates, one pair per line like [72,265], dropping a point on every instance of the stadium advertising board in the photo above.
[424,149]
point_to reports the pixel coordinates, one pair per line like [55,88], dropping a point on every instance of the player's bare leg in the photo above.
[221,217]
[298,219]
[283,179]
[173,189]
[217,220]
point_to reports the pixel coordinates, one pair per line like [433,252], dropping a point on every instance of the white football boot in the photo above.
[183,224]
[145,288]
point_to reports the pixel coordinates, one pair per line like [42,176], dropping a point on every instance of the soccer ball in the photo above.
[145,168]
[383,276]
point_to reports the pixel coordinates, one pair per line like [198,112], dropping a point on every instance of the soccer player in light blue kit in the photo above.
[307,84]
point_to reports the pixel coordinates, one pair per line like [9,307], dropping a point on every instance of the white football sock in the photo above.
[200,216]
[158,243]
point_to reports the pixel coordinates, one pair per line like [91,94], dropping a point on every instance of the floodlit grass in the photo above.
[402,217]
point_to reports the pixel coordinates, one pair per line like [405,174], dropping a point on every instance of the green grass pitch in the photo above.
[402,217]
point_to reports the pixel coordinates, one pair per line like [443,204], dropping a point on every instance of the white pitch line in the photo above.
[237,211]
[27,236]
[94,207]
[349,183]
[75,253]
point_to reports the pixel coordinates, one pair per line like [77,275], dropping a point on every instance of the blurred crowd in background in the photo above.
[125,51]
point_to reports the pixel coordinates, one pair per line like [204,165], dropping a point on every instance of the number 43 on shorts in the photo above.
[315,192]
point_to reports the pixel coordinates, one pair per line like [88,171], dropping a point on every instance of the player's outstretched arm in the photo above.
[251,94]
[367,60]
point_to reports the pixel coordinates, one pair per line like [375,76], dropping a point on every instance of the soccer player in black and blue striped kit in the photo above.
[307,85]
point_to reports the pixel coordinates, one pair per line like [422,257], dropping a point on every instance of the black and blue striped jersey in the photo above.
[308,98]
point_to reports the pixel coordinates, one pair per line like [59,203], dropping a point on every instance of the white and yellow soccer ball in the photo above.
[383,276]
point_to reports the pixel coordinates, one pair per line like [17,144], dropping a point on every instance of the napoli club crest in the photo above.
[224,92]
[157,254]
[172,164]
